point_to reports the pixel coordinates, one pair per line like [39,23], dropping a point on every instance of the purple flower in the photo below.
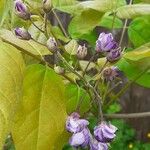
[81,52]
[105,132]
[74,124]
[114,55]
[95,145]
[22,33]
[105,43]
[110,73]
[80,139]
[21,10]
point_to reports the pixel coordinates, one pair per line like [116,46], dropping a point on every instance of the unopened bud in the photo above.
[110,73]
[22,33]
[47,5]
[52,44]
[81,52]
[21,10]
[59,70]
[114,55]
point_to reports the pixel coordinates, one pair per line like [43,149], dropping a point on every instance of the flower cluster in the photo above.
[103,133]
[108,46]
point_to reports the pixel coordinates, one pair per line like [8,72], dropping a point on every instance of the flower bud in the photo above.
[105,43]
[114,55]
[74,124]
[95,145]
[21,10]
[59,70]
[110,73]
[52,44]
[22,33]
[47,5]
[81,52]
[80,139]
[105,132]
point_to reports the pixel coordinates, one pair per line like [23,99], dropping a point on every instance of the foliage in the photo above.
[35,98]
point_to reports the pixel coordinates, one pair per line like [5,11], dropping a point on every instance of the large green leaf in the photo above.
[141,54]
[132,71]
[107,22]
[103,5]
[135,10]
[39,125]
[75,95]
[134,62]
[26,46]
[138,31]
[75,8]
[11,79]
[84,23]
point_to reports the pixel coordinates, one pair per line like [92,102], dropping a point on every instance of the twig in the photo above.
[91,59]
[129,115]
[45,25]
[36,26]
[121,92]
[60,24]
[97,82]
[124,27]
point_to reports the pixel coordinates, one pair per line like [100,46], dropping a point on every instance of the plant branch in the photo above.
[129,115]
[91,59]
[36,26]
[60,24]
[124,27]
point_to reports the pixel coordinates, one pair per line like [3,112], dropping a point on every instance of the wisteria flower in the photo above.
[74,124]
[80,139]
[105,132]
[105,43]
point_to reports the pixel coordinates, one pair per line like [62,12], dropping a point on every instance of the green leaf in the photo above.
[138,31]
[11,79]
[140,56]
[58,33]
[84,23]
[25,46]
[39,125]
[135,62]
[74,94]
[103,5]
[132,71]
[107,22]
[72,47]
[135,10]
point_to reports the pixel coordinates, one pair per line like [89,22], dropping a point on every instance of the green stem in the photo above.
[36,26]
[91,59]
[122,91]
[101,70]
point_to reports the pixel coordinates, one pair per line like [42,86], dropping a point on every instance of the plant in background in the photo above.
[54,77]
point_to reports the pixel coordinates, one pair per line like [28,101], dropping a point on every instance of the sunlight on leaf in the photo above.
[40,122]
[11,78]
